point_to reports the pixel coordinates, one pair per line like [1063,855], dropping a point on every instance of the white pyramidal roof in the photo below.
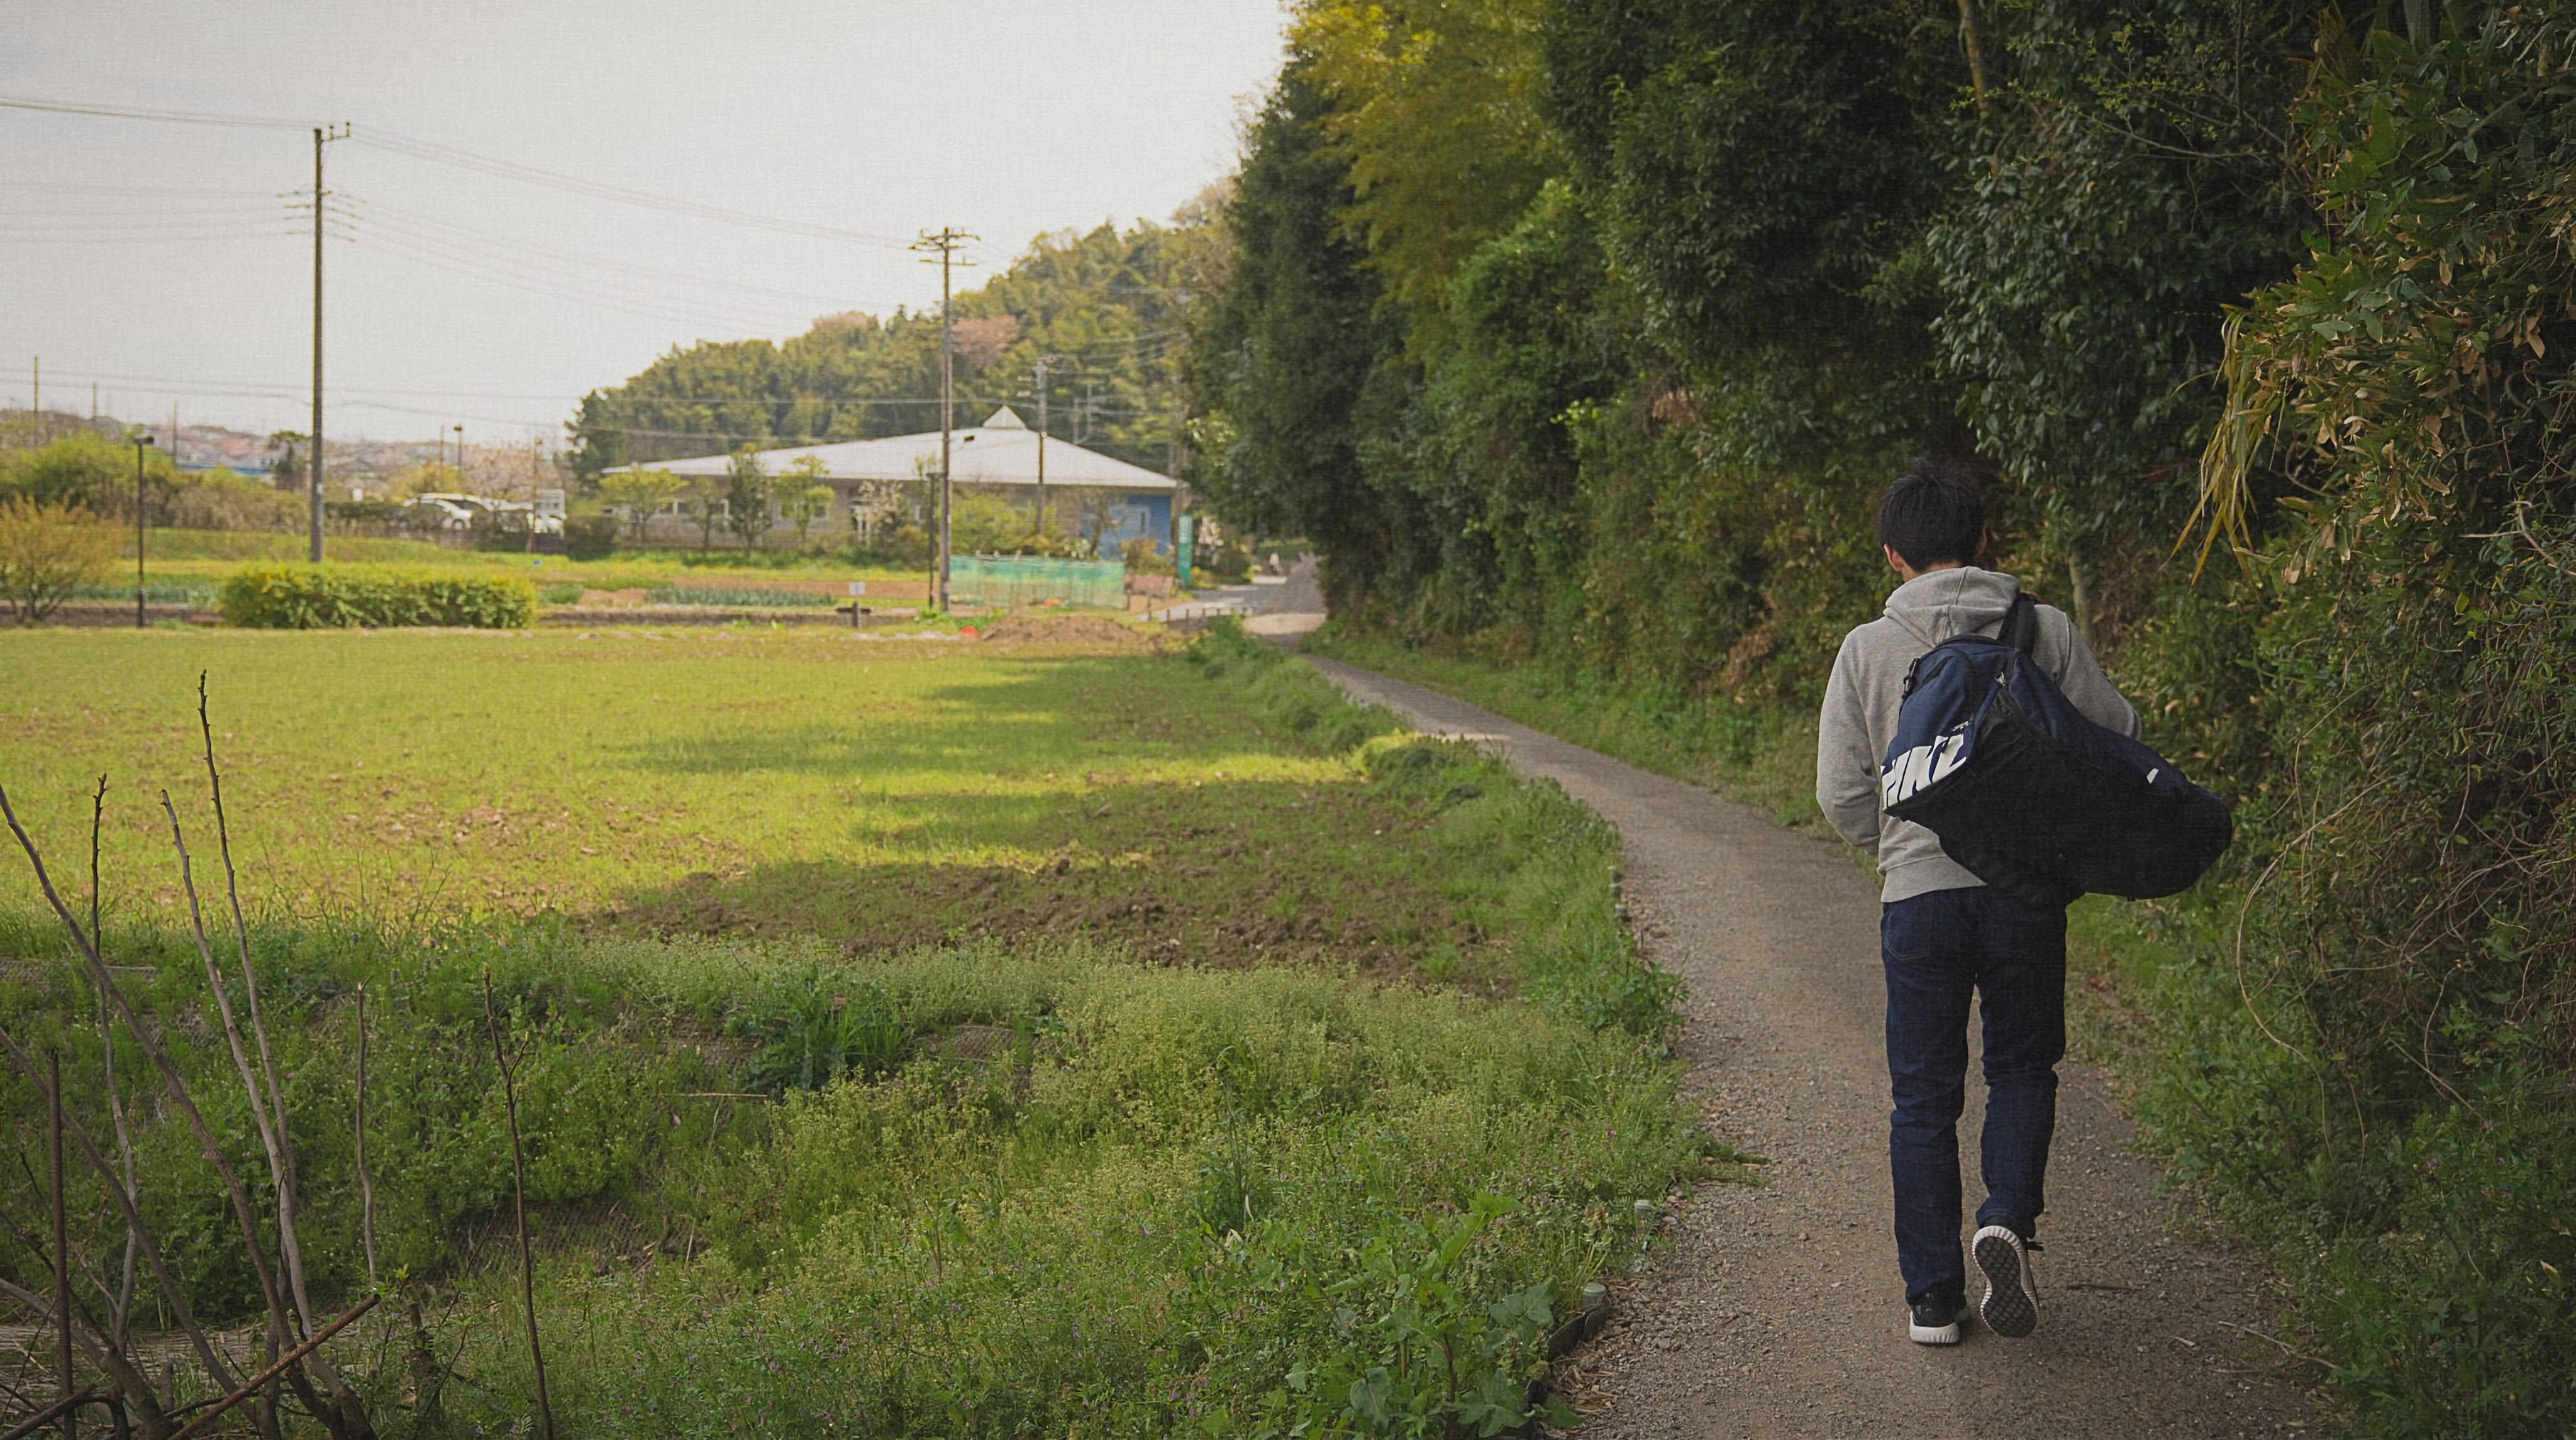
[1001,451]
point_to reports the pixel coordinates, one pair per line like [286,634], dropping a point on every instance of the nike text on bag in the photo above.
[2034,799]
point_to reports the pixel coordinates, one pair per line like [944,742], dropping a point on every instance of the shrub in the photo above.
[224,501]
[278,597]
[46,552]
[1143,558]
[590,537]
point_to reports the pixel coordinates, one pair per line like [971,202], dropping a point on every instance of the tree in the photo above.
[639,495]
[703,497]
[285,472]
[983,339]
[807,507]
[84,469]
[1288,358]
[747,493]
[804,497]
[1437,120]
[47,551]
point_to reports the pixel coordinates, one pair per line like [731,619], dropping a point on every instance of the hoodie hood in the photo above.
[1941,603]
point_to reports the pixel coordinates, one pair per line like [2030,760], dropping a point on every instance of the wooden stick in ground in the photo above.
[366,1188]
[519,1196]
[256,1382]
[62,1243]
[216,1370]
[49,1415]
[177,1085]
[118,1370]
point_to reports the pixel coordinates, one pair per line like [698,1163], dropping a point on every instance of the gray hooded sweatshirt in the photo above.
[1868,685]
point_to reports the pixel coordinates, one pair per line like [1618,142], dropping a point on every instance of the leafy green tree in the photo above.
[1290,356]
[748,491]
[639,495]
[2122,187]
[1438,126]
[286,468]
[1761,166]
[702,499]
[48,549]
[807,508]
[85,469]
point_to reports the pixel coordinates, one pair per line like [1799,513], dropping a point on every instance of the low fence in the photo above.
[1020,580]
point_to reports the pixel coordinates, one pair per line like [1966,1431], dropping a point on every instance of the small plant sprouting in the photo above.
[813,1030]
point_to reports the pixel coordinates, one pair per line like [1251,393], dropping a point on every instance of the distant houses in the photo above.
[1098,496]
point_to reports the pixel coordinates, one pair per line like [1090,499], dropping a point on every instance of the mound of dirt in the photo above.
[1088,632]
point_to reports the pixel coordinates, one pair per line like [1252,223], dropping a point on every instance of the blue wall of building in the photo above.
[1132,516]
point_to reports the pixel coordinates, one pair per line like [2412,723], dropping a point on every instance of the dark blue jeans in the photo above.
[1939,949]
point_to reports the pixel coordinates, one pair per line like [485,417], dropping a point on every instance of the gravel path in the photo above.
[1775,1310]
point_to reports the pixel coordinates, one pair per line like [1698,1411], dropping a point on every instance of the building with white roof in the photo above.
[1104,497]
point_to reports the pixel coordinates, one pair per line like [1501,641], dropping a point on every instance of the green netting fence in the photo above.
[1028,580]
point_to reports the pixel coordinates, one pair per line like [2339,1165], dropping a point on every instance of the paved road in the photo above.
[1776,1311]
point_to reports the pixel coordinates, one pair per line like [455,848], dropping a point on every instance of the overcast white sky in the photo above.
[159,260]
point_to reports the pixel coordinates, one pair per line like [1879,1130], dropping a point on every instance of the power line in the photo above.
[518,274]
[413,147]
[433,227]
[166,117]
[74,187]
[395,143]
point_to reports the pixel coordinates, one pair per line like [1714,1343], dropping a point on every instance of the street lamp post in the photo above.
[140,441]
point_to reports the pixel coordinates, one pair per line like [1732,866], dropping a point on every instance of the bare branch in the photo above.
[278,1136]
[274,1133]
[121,1321]
[136,1230]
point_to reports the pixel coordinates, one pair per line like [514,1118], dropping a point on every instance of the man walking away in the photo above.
[1943,935]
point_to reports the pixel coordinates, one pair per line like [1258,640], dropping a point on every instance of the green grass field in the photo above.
[909,1039]
[719,781]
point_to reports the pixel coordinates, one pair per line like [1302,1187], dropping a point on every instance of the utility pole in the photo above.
[944,242]
[1043,362]
[322,134]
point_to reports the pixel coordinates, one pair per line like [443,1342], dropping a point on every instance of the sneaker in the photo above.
[1934,1322]
[2011,1306]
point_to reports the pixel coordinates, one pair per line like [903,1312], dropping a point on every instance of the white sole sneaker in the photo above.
[2011,1306]
[1922,1334]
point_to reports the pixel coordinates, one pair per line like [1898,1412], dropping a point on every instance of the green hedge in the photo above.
[590,537]
[278,597]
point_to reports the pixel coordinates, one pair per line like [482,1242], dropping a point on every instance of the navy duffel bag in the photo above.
[2031,797]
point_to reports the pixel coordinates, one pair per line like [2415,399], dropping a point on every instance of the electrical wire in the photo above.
[439,227]
[158,192]
[412,147]
[167,117]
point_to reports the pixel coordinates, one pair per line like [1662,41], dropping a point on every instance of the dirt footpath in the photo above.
[1776,1311]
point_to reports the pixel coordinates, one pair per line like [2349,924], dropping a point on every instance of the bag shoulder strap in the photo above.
[2020,631]
[2021,625]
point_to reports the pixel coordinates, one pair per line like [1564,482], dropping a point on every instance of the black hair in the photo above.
[1935,512]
